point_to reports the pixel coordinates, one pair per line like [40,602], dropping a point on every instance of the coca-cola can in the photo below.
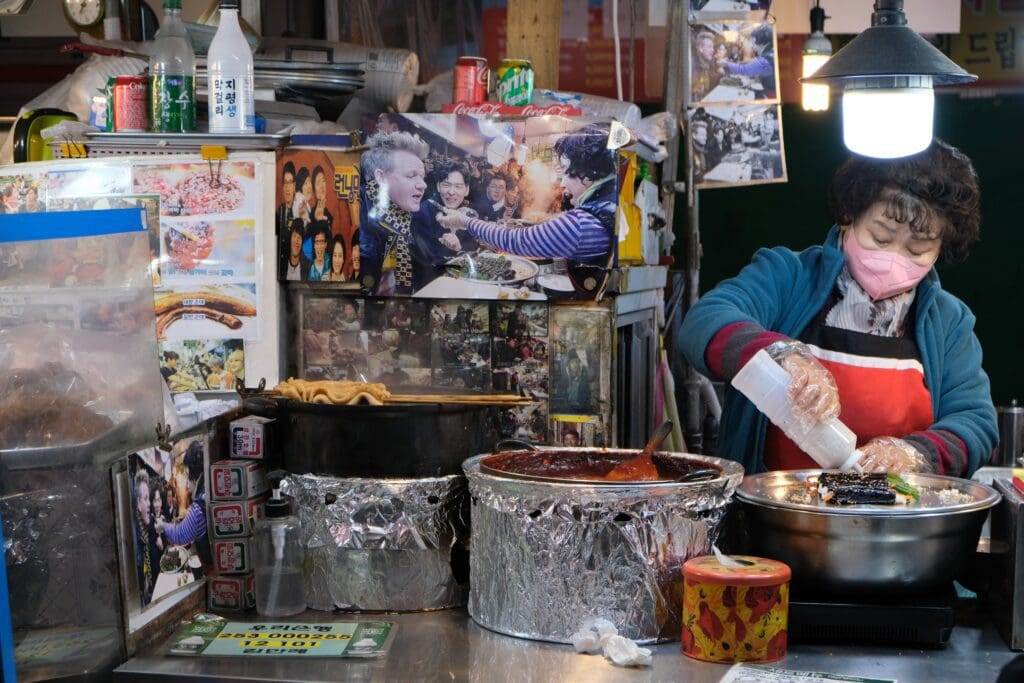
[130,103]
[472,81]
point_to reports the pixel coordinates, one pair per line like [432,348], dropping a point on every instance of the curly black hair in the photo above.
[935,191]
[587,152]
[448,166]
[193,460]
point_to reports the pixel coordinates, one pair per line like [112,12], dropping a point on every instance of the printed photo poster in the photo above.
[733,62]
[87,180]
[186,311]
[520,366]
[202,365]
[334,343]
[728,7]
[580,375]
[85,262]
[317,216]
[208,254]
[168,513]
[734,145]
[461,345]
[454,203]
[23,193]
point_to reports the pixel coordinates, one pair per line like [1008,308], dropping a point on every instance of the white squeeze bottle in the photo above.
[831,444]
[229,76]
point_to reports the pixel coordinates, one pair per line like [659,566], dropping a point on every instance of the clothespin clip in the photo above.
[163,436]
[71,149]
[210,154]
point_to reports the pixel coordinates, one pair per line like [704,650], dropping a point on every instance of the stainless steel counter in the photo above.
[448,646]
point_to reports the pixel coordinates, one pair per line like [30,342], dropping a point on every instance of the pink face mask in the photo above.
[881,273]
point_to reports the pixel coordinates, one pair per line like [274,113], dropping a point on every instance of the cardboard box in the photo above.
[233,556]
[231,592]
[236,518]
[237,480]
[250,437]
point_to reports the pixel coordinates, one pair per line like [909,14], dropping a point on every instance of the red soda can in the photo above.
[472,81]
[131,103]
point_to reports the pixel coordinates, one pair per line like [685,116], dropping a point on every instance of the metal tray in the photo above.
[189,140]
[781,490]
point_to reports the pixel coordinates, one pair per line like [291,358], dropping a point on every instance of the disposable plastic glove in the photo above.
[812,389]
[889,454]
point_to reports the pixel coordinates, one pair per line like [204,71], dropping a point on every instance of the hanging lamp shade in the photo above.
[887,73]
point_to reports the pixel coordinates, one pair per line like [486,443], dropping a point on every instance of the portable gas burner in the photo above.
[926,620]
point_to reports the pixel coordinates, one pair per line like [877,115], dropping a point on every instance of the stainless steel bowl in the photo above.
[872,550]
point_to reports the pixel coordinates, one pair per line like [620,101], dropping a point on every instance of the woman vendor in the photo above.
[862,324]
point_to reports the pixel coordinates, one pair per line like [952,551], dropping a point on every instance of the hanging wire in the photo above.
[618,53]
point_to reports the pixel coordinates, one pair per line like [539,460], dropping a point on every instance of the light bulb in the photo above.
[888,123]
[813,97]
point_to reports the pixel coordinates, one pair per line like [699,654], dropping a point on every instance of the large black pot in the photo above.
[393,441]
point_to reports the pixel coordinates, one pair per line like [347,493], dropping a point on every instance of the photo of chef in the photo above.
[335,340]
[457,203]
[737,145]
[168,512]
[23,193]
[580,381]
[733,62]
[317,216]
[201,365]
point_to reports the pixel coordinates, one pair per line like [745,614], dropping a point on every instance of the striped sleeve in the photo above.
[734,345]
[191,527]
[945,452]
[576,235]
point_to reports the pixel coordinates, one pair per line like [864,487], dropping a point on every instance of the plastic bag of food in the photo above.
[77,339]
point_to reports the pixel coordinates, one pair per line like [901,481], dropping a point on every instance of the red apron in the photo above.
[881,388]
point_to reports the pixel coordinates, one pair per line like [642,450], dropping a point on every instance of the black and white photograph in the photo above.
[526,423]
[583,433]
[334,344]
[579,339]
[737,145]
[733,62]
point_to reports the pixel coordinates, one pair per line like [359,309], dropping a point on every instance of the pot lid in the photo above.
[939,495]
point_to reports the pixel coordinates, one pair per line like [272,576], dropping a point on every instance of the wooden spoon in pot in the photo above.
[641,467]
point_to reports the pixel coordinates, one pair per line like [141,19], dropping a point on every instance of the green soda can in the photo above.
[515,82]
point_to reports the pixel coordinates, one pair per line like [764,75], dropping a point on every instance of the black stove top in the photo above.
[924,621]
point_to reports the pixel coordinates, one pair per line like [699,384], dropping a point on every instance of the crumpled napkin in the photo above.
[601,634]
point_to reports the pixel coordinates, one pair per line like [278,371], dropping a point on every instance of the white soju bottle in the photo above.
[229,76]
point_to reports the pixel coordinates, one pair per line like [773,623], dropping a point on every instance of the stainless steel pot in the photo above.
[865,549]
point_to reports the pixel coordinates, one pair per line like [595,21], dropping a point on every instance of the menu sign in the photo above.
[274,639]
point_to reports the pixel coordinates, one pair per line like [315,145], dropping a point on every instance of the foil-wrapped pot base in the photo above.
[545,557]
[382,544]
